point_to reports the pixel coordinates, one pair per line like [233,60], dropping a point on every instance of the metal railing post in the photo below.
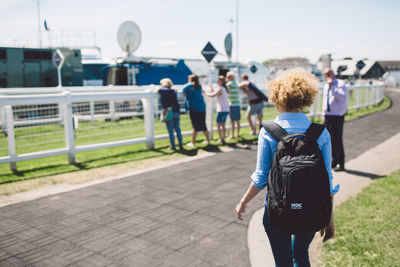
[148,109]
[318,109]
[358,97]
[92,112]
[3,119]
[311,114]
[112,110]
[369,96]
[11,137]
[69,128]
[209,115]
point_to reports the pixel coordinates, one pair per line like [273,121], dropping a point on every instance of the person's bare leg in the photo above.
[207,134]
[248,116]
[194,135]
[223,130]
[238,128]
[219,127]
[232,129]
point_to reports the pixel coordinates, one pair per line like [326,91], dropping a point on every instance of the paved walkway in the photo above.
[181,215]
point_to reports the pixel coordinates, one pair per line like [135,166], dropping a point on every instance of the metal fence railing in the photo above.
[44,122]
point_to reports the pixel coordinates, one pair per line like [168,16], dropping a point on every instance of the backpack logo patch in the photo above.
[296,206]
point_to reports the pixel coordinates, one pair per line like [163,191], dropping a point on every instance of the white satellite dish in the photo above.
[129,37]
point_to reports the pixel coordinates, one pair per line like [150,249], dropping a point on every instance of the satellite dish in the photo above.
[129,37]
[228,45]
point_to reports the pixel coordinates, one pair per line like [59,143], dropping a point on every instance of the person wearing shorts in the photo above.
[234,103]
[255,106]
[197,108]
[222,106]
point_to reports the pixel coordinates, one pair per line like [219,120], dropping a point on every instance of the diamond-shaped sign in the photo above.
[209,52]
[360,64]
[58,59]
[253,68]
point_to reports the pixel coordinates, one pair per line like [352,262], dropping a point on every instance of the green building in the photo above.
[33,67]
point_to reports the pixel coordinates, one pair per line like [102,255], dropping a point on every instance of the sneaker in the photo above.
[190,144]
[252,133]
[205,142]
[339,168]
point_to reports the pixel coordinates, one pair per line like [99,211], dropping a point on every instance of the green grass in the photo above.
[368,227]
[36,138]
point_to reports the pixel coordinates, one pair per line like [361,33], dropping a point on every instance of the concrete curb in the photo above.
[378,161]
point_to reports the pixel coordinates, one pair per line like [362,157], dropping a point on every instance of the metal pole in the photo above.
[209,108]
[40,28]
[237,31]
[11,137]
[69,128]
[148,109]
[59,77]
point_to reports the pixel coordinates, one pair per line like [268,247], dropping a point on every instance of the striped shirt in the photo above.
[234,93]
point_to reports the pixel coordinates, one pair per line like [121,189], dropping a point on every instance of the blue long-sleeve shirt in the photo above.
[336,95]
[292,123]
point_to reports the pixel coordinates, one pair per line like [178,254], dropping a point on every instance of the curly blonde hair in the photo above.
[293,89]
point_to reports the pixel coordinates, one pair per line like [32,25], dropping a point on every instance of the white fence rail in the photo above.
[44,122]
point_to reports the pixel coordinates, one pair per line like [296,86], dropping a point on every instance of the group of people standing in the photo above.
[227,93]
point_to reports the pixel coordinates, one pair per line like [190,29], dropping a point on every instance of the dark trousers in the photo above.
[288,250]
[334,124]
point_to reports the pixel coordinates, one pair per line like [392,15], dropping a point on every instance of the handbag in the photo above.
[167,117]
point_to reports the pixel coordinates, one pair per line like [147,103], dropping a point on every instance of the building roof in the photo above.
[390,65]
[351,66]
[291,61]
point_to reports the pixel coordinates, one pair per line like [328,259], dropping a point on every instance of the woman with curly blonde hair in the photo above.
[292,91]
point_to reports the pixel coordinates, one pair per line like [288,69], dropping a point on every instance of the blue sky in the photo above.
[179,28]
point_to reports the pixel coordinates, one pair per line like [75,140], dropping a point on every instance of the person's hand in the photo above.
[329,80]
[329,231]
[240,209]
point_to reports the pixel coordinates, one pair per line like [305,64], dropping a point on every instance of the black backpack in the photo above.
[299,199]
[257,91]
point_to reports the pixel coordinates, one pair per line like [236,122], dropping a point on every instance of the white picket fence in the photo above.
[26,112]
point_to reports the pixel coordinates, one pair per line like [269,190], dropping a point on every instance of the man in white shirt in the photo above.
[334,109]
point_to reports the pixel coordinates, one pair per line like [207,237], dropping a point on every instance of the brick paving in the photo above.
[177,216]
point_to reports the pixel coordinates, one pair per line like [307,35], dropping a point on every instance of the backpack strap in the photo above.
[314,131]
[275,130]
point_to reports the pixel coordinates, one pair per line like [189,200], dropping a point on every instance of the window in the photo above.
[37,55]
[3,54]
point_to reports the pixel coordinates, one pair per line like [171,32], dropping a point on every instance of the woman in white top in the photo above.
[222,106]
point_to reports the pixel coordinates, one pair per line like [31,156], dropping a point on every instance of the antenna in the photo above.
[129,37]
[39,28]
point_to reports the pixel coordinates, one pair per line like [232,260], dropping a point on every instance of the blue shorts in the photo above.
[234,113]
[221,117]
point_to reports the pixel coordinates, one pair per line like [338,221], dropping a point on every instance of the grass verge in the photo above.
[367,227]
